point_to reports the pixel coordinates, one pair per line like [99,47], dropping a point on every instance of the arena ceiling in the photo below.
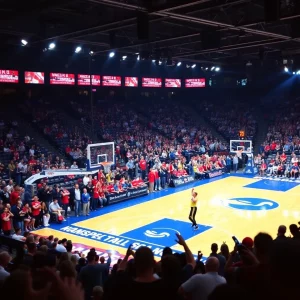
[176,27]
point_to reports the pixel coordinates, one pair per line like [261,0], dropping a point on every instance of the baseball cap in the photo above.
[248,242]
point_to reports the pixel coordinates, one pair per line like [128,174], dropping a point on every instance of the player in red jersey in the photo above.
[65,200]
[143,167]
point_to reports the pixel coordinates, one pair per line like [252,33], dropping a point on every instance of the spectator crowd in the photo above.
[279,154]
[46,268]
[231,118]
[156,145]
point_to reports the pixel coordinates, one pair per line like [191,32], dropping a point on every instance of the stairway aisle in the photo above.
[201,122]
[25,128]
[262,128]
[73,119]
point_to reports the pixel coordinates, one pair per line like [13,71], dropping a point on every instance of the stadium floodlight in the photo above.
[78,49]
[24,42]
[153,60]
[286,69]
[111,54]
[124,57]
[51,46]
[294,73]
[138,57]
[91,52]
[193,66]
[179,64]
[212,68]
[160,62]
[206,69]
[298,72]
[217,69]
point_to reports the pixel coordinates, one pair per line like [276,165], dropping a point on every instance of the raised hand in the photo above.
[180,240]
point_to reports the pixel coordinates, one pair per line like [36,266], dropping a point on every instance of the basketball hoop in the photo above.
[106,165]
[239,153]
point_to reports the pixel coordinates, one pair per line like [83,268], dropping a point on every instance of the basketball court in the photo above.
[229,205]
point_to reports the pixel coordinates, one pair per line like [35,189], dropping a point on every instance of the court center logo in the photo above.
[158,233]
[250,203]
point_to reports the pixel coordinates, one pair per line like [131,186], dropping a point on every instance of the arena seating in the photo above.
[149,130]
[147,121]
[283,136]
[230,117]
[16,148]
[284,129]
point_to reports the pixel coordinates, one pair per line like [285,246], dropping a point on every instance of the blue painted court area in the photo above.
[135,201]
[251,203]
[272,185]
[126,241]
[163,232]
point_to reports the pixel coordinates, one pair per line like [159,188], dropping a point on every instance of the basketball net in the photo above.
[239,153]
[106,165]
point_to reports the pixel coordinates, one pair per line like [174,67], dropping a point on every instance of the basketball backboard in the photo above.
[241,146]
[100,153]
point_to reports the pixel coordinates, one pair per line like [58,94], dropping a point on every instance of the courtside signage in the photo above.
[125,242]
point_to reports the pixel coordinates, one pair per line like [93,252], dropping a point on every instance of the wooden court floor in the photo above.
[232,205]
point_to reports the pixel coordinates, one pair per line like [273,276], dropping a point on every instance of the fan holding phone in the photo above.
[245,255]
[239,246]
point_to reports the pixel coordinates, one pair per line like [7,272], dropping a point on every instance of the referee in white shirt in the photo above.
[86,180]
[77,200]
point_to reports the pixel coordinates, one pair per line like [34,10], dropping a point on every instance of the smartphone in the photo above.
[241,248]
[236,241]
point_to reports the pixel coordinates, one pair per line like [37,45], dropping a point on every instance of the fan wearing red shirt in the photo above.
[170,169]
[120,187]
[118,151]
[220,163]
[65,196]
[36,211]
[110,189]
[5,221]
[32,161]
[135,182]
[267,148]
[201,171]
[94,181]
[151,178]
[101,176]
[102,198]
[122,180]
[143,166]
[283,157]
[94,200]
[68,149]
[273,146]
[16,155]
[140,181]
[263,168]
[14,196]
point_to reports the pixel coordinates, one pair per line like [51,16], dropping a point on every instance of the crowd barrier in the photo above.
[215,173]
[128,194]
[187,179]
[181,180]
